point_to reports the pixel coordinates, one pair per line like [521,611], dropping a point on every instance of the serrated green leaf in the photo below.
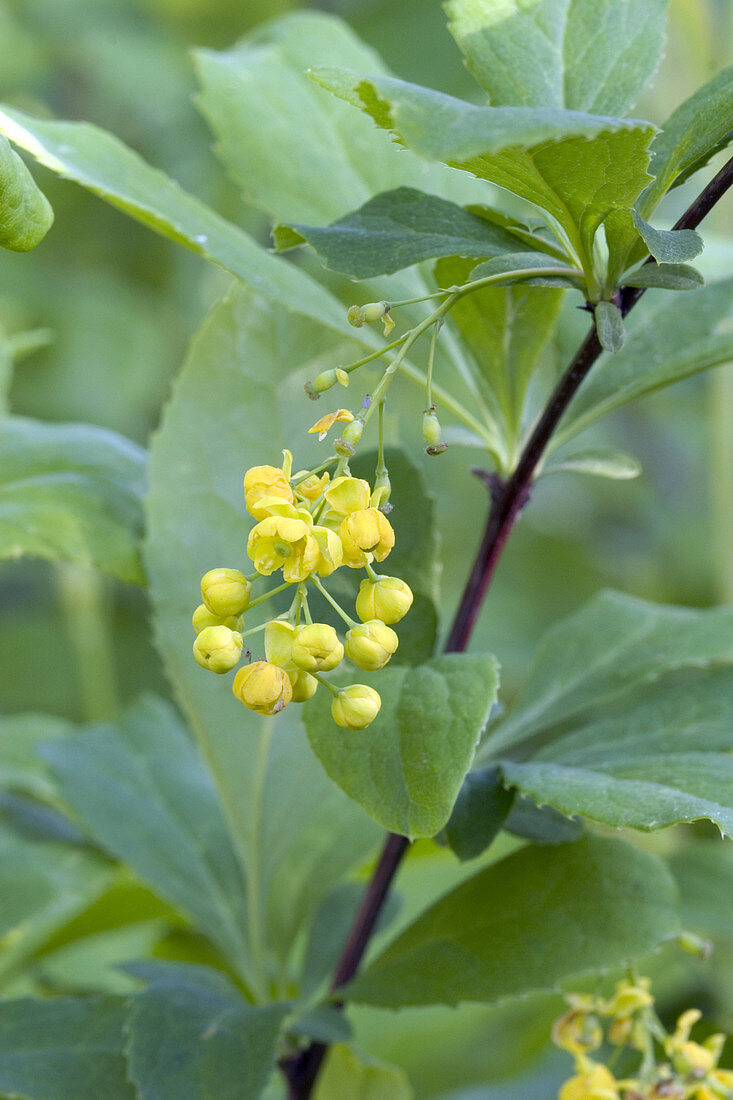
[611,646]
[295,833]
[25,212]
[144,795]
[480,810]
[188,1039]
[668,339]
[609,326]
[63,1049]
[399,228]
[589,55]
[524,923]
[407,767]
[648,764]
[582,170]
[71,492]
[597,461]
[281,136]
[669,246]
[349,1077]
[665,277]
[43,885]
[699,128]
[507,330]
[108,168]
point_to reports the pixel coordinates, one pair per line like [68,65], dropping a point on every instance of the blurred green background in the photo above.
[120,305]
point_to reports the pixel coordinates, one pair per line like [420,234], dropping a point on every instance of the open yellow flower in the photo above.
[598,1083]
[366,536]
[279,542]
[266,481]
[348,494]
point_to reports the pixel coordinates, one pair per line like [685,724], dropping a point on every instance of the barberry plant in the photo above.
[495,282]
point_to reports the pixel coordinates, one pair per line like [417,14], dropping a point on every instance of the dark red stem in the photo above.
[507,501]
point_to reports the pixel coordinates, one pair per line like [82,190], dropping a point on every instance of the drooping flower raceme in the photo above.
[308,526]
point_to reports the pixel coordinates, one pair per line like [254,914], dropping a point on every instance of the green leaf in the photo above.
[93,963]
[103,165]
[507,330]
[609,326]
[406,769]
[667,340]
[25,212]
[281,136]
[142,792]
[295,833]
[589,55]
[21,769]
[188,1038]
[648,764]
[347,1076]
[63,1049]
[71,492]
[414,558]
[699,128]
[402,227]
[529,261]
[43,885]
[525,923]
[597,461]
[665,276]
[541,824]
[582,170]
[611,646]
[669,246]
[480,810]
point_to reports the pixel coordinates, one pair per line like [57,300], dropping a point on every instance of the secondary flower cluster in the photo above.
[308,526]
[687,1070]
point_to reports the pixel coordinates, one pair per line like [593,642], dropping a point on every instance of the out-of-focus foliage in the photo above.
[119,305]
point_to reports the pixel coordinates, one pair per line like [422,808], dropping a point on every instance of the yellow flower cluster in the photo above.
[307,526]
[687,1070]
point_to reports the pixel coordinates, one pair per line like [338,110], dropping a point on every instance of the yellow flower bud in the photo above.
[263,687]
[303,684]
[331,552]
[225,591]
[386,598]
[265,481]
[202,618]
[311,488]
[355,707]
[348,494]
[366,535]
[279,542]
[370,645]
[279,638]
[218,649]
[598,1083]
[316,648]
